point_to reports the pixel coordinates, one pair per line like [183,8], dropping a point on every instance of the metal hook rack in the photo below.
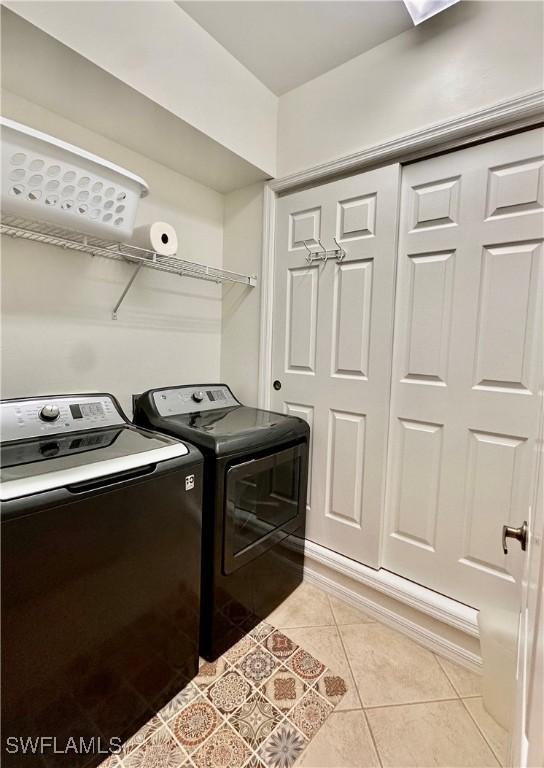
[337,253]
[26,229]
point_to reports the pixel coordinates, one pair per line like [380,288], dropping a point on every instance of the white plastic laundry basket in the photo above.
[48,180]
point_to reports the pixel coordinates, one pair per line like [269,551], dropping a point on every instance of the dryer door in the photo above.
[265,501]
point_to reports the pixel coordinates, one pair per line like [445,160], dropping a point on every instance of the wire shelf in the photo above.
[13,226]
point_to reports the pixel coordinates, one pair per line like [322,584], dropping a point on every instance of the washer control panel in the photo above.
[36,417]
[191,399]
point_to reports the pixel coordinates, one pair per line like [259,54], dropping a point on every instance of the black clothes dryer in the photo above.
[254,506]
[101,542]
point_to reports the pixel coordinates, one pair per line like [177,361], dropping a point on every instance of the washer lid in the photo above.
[233,430]
[56,461]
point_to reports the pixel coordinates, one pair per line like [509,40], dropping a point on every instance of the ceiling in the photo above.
[287,42]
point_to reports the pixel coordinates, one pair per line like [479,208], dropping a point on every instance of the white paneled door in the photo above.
[466,362]
[332,338]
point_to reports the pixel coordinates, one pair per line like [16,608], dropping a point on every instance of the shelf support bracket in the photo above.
[125,291]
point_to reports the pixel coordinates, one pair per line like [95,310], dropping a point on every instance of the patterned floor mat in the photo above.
[258,706]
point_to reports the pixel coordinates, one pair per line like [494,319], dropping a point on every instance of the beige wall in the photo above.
[242,247]
[42,70]
[161,52]
[57,334]
[473,55]
[57,331]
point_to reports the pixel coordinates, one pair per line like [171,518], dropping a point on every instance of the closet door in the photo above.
[332,336]
[466,367]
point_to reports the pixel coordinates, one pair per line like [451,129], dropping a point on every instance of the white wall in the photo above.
[473,55]
[44,71]
[57,331]
[242,247]
[161,52]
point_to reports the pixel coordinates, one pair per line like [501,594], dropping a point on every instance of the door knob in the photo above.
[514,533]
[277,384]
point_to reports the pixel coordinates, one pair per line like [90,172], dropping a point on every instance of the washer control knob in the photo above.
[198,397]
[49,413]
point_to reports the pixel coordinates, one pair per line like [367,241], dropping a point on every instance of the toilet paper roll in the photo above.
[159,237]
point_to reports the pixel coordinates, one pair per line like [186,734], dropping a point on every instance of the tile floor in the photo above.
[404,706]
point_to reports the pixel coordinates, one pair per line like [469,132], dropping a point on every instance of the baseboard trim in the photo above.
[433,604]
[436,622]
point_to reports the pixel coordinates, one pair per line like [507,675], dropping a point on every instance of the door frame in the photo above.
[516,114]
